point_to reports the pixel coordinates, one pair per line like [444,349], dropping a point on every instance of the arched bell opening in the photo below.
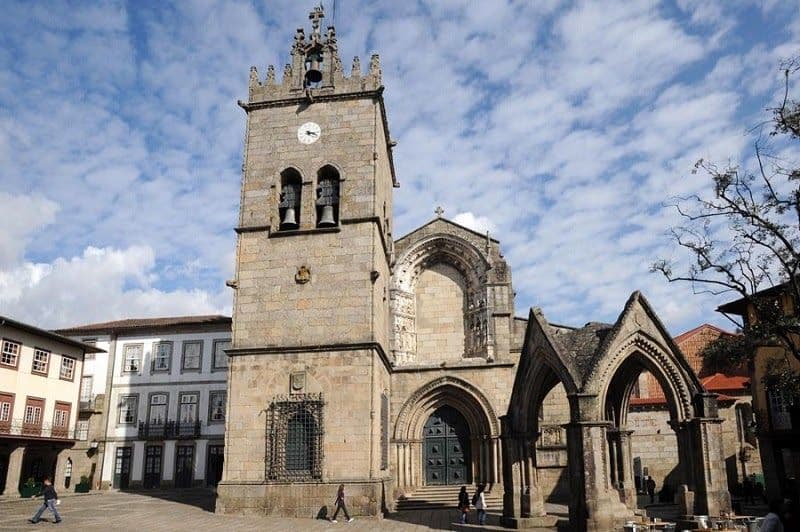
[328,194]
[290,199]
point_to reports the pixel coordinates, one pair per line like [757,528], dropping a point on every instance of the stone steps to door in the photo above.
[446,497]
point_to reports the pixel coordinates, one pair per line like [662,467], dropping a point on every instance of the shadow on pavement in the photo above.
[203,498]
[448,520]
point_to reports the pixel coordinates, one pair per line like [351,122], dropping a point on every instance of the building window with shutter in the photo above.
[216,407]
[132,354]
[67,372]
[82,431]
[127,409]
[220,359]
[41,362]
[162,357]
[9,355]
[192,355]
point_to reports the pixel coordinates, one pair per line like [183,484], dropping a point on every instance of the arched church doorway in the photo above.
[446,448]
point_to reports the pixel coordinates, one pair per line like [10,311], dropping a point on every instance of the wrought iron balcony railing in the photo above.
[17,428]
[168,430]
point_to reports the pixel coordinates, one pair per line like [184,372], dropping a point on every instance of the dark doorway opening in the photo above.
[446,448]
[122,468]
[184,466]
[152,466]
[216,459]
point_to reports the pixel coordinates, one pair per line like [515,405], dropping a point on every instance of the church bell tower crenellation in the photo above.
[317,53]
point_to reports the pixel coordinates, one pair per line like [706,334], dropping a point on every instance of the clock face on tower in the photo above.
[308,133]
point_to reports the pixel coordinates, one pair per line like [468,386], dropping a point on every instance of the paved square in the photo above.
[191,510]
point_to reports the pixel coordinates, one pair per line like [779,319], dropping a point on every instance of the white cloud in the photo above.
[481,224]
[99,285]
[22,216]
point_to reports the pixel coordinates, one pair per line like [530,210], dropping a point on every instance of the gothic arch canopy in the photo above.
[639,336]
[451,391]
[449,249]
[679,388]
[471,265]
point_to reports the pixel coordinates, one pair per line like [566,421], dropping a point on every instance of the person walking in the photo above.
[463,505]
[747,491]
[651,489]
[340,505]
[479,502]
[50,501]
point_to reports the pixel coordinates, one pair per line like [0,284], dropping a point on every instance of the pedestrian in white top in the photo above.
[479,502]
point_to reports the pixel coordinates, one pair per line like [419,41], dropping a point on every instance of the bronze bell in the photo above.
[313,72]
[289,219]
[327,219]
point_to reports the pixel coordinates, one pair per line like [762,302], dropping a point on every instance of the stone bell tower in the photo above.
[309,379]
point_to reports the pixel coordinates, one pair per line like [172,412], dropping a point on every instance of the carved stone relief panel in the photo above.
[404,340]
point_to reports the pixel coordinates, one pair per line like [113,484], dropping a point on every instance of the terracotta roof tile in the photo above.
[721,382]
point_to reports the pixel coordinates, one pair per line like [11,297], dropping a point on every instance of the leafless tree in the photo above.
[744,239]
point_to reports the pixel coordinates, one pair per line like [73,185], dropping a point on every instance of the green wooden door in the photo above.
[446,448]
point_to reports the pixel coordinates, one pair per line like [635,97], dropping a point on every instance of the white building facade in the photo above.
[166,380]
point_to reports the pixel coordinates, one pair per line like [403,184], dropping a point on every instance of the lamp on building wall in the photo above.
[93,444]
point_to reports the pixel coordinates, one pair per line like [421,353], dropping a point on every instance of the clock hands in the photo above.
[312,133]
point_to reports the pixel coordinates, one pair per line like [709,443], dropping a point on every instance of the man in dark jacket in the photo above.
[50,498]
[651,489]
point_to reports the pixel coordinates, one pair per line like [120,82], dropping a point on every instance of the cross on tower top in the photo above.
[439,211]
[315,16]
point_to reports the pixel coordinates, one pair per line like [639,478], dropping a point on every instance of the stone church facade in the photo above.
[391,363]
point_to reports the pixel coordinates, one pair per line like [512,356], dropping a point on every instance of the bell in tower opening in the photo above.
[313,67]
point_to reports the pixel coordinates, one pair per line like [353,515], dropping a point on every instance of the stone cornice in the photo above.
[316,348]
[449,367]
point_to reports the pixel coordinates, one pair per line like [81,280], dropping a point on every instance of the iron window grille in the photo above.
[294,430]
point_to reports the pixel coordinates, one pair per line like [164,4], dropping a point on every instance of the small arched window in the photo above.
[327,197]
[290,195]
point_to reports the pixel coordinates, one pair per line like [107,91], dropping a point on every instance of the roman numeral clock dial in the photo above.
[309,133]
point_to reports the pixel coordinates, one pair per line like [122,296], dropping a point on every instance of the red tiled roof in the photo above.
[730,383]
[142,323]
[657,401]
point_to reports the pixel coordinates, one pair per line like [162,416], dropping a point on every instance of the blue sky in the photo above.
[561,127]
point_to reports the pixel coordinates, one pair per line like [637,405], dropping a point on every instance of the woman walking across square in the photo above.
[340,505]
